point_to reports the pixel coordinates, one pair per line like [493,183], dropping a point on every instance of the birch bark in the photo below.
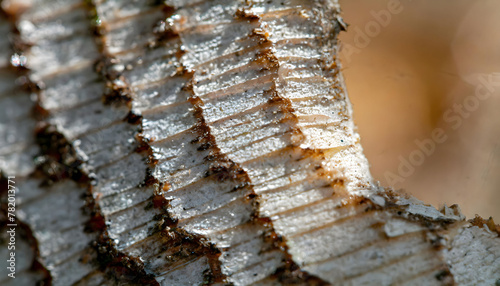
[205,142]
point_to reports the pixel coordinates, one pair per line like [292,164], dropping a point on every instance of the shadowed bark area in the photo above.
[206,142]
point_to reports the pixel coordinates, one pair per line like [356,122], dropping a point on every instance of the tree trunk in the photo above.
[203,142]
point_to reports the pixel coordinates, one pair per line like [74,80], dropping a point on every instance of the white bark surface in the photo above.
[245,166]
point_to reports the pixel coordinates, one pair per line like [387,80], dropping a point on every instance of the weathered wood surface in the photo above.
[205,142]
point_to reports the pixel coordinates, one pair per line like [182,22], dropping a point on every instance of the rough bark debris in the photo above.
[204,142]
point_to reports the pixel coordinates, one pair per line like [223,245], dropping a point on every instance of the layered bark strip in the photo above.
[205,143]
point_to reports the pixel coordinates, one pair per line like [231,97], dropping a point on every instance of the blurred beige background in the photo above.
[416,61]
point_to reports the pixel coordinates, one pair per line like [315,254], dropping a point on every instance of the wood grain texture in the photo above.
[208,142]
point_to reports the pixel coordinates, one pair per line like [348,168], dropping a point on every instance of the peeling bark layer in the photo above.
[206,142]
